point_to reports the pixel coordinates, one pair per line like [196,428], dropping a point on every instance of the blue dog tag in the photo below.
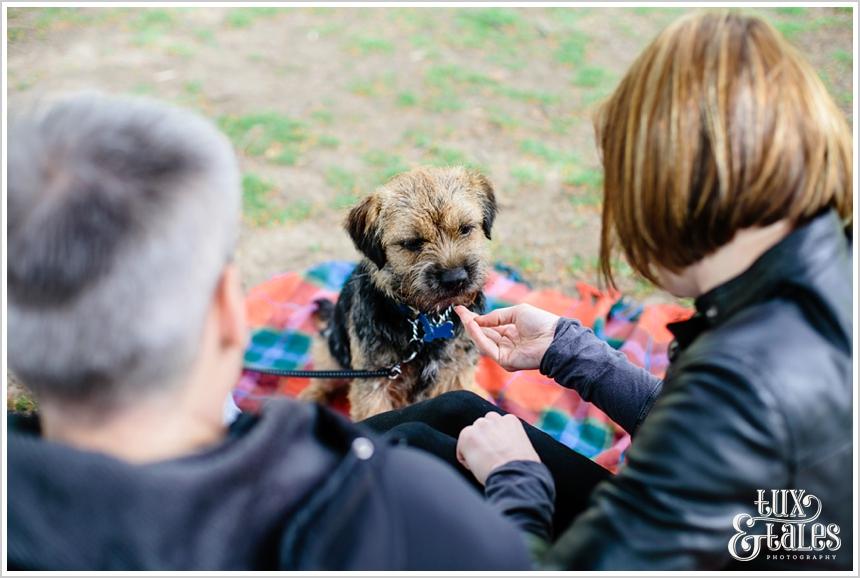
[433,332]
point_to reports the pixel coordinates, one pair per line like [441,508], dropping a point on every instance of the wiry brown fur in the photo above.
[452,211]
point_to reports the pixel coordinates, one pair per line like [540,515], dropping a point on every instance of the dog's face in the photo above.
[426,233]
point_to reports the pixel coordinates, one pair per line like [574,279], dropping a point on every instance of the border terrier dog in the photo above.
[423,237]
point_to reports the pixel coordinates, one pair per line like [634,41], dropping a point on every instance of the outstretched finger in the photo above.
[498,317]
[464,314]
[485,344]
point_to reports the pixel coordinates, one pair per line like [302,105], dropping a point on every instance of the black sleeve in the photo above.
[710,441]
[446,523]
[524,492]
[579,360]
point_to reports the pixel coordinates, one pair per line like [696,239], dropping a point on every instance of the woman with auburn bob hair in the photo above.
[728,178]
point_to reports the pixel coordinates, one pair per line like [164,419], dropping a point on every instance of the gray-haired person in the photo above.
[126,319]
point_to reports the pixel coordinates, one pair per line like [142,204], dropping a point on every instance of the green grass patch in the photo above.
[445,74]
[372,86]
[266,135]
[406,98]
[591,178]
[205,36]
[245,17]
[370,45]
[260,208]
[518,258]
[527,175]
[589,77]
[344,201]
[143,89]
[386,165]
[843,57]
[571,49]
[181,50]
[23,404]
[790,29]
[448,101]
[418,137]
[791,10]
[341,179]
[482,24]
[323,116]
[526,95]
[580,266]
[328,141]
[500,31]
[256,204]
[295,211]
[193,87]
[53,18]
[151,24]
[587,182]
[539,149]
[503,119]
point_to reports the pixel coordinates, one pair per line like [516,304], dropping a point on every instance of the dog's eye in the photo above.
[413,245]
[466,229]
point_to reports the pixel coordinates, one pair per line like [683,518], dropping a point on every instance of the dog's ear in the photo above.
[488,201]
[361,224]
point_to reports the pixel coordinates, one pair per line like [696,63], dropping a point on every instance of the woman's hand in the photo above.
[516,337]
[493,441]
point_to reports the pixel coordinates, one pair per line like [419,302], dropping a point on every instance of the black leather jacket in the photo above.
[758,397]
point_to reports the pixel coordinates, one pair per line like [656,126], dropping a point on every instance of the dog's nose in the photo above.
[453,277]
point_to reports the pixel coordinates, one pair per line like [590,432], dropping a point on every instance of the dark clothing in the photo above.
[530,501]
[295,488]
[601,375]
[758,397]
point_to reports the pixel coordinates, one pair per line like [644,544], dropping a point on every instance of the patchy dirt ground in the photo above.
[325,104]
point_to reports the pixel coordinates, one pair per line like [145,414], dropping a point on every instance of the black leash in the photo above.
[428,329]
[391,373]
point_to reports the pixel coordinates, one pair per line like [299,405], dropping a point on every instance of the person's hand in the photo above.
[516,337]
[493,441]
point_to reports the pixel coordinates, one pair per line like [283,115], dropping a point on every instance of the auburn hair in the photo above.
[718,126]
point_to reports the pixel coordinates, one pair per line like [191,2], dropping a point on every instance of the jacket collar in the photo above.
[796,260]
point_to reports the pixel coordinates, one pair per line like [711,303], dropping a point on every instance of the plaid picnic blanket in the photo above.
[280,315]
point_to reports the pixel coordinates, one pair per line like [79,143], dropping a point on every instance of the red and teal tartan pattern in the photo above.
[280,315]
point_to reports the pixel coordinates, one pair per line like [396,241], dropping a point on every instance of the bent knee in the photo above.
[463,402]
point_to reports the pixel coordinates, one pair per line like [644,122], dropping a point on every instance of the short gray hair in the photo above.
[122,214]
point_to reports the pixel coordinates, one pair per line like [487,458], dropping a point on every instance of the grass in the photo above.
[517,257]
[571,49]
[843,57]
[373,85]
[589,77]
[256,204]
[385,165]
[22,404]
[527,175]
[370,45]
[586,183]
[245,17]
[323,116]
[448,80]
[539,149]
[328,141]
[448,101]
[503,119]
[486,25]
[260,207]
[268,135]
[151,25]
[440,156]
[342,180]
[406,98]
